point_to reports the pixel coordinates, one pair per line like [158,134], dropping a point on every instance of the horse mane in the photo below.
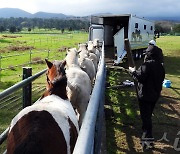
[58,88]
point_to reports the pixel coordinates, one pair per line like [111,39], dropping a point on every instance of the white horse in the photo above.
[78,84]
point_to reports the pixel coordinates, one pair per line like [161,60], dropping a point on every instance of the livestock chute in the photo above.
[92,123]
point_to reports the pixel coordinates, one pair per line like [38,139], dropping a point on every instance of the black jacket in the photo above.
[149,76]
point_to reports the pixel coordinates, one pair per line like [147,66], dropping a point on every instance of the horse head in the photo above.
[71,58]
[56,79]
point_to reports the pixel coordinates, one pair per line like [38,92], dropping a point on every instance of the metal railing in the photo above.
[21,84]
[29,59]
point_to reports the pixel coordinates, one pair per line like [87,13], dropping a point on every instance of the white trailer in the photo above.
[113,29]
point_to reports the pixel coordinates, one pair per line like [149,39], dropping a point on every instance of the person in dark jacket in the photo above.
[149,77]
[154,51]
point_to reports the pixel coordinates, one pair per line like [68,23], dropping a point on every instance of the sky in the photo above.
[140,8]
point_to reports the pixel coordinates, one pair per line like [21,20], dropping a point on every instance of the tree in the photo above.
[12,29]
[70,29]
[44,23]
[163,26]
[2,29]
[29,29]
[176,28]
[19,29]
[62,30]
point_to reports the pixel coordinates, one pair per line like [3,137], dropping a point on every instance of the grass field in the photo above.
[123,121]
[12,45]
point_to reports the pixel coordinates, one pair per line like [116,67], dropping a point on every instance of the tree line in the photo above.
[16,24]
[167,27]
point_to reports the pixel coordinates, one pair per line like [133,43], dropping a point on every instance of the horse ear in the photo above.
[49,64]
[78,51]
[68,50]
[63,63]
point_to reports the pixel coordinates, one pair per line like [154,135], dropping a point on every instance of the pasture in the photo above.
[123,123]
[17,50]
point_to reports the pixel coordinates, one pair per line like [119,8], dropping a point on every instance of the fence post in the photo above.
[27,90]
[30,57]
[48,54]
[0,67]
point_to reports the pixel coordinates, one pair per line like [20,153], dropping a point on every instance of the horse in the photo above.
[93,49]
[48,126]
[78,85]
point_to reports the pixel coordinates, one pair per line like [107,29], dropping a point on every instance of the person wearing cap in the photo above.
[149,77]
[152,48]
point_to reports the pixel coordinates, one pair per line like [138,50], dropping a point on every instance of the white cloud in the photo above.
[86,7]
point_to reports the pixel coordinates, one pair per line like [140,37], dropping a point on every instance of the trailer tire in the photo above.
[136,55]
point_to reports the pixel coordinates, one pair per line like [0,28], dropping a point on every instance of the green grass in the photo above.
[123,125]
[41,44]
[171,49]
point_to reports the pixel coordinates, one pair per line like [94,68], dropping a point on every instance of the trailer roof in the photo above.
[97,19]
[112,15]
[110,19]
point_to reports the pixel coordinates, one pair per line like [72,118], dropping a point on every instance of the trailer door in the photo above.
[119,45]
[96,32]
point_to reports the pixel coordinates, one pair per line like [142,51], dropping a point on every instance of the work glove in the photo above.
[132,69]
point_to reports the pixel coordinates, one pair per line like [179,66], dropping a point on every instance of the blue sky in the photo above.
[87,7]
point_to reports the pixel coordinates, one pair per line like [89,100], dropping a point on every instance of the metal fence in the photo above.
[29,59]
[16,61]
[27,51]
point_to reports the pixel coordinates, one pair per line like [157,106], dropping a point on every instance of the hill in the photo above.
[172,19]
[48,15]
[13,12]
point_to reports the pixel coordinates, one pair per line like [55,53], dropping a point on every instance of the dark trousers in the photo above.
[146,110]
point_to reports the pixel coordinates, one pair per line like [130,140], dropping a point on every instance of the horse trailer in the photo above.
[113,29]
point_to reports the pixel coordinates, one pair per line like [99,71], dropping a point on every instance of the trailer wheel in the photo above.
[136,55]
[140,54]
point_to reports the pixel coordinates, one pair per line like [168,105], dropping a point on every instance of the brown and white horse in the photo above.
[50,125]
